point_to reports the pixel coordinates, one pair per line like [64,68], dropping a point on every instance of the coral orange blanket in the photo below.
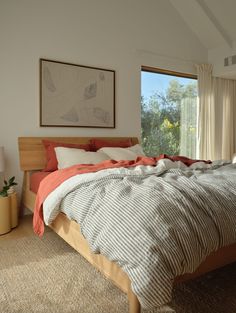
[53,180]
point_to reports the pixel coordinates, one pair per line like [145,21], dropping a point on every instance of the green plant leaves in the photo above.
[3,192]
[11,182]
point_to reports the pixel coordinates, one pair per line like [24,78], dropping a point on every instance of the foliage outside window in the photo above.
[169,119]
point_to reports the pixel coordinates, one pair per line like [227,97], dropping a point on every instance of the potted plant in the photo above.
[8,206]
[8,187]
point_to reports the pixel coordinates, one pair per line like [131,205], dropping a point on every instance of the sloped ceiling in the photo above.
[224,12]
[214,23]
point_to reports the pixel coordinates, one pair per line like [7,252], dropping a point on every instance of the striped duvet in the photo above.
[155,222]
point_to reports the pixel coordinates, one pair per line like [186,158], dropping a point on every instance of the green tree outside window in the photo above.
[169,121]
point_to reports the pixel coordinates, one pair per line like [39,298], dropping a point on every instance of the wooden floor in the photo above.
[22,230]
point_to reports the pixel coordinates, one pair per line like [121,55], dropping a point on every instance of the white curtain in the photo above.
[224,93]
[217,115]
[206,116]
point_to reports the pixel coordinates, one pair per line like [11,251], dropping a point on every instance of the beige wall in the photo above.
[115,34]
[216,58]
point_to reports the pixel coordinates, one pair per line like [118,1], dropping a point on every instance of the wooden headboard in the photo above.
[32,153]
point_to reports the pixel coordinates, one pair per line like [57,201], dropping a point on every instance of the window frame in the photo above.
[157,70]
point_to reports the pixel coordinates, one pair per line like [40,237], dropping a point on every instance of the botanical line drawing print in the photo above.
[76,95]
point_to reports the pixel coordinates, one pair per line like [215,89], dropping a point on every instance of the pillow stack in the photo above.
[63,155]
[51,158]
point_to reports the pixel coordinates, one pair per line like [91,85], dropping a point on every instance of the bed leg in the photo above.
[134,305]
[21,205]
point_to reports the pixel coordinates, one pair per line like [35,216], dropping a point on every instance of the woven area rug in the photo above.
[47,276]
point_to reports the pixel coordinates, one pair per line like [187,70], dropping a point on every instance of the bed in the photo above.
[32,158]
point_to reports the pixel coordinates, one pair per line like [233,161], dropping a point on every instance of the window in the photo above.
[168,113]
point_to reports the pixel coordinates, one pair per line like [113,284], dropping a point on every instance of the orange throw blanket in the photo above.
[53,180]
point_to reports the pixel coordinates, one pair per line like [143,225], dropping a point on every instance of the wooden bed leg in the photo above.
[134,305]
[21,206]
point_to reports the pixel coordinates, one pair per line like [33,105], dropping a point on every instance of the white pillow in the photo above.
[70,156]
[137,149]
[130,153]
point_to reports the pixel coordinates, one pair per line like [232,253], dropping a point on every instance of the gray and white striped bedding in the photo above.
[156,223]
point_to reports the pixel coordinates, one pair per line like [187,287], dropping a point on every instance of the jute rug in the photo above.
[47,276]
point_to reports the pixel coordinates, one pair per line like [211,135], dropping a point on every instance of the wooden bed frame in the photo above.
[32,158]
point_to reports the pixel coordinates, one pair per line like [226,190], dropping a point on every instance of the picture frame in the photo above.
[73,95]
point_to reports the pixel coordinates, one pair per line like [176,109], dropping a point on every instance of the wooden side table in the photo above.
[8,213]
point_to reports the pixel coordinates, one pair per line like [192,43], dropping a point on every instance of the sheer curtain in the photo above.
[217,115]
[224,92]
[206,114]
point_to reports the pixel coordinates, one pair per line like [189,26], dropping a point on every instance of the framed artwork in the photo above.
[74,95]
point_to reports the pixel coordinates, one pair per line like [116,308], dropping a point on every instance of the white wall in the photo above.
[114,34]
[216,58]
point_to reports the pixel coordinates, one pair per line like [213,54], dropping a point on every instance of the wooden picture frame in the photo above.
[73,95]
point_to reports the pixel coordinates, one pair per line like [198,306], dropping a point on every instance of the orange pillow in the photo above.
[51,158]
[97,144]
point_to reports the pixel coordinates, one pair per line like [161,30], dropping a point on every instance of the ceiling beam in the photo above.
[215,22]
[202,22]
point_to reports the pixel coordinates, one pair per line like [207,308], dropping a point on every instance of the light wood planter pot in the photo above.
[8,213]
[14,210]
